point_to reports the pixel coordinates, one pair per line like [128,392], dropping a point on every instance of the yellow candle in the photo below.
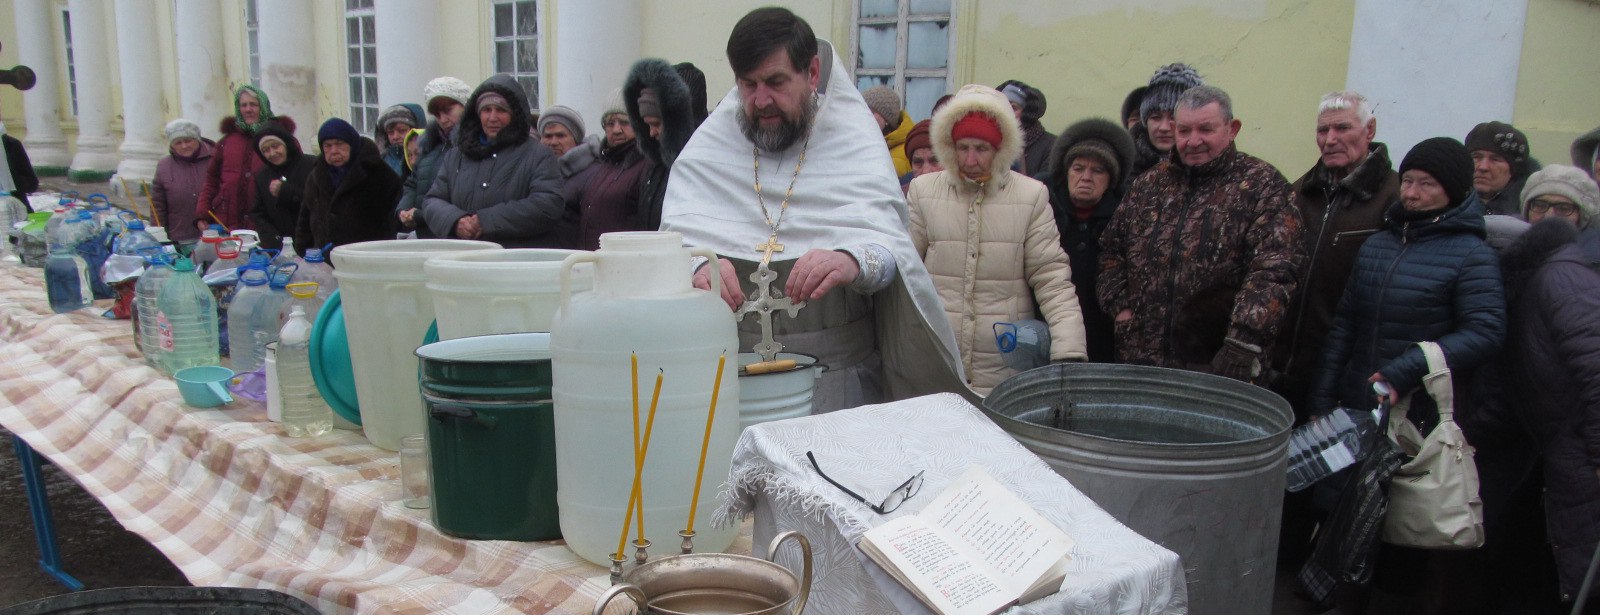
[633,493]
[705,443]
[644,448]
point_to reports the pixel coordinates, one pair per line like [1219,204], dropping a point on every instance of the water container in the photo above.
[146,311]
[32,243]
[134,239]
[499,291]
[12,213]
[387,312]
[187,320]
[1327,444]
[314,268]
[304,412]
[245,348]
[205,250]
[642,303]
[66,274]
[1024,344]
[229,256]
[95,246]
[248,240]
[286,254]
[303,294]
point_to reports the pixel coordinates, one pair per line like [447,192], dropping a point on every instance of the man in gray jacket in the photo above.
[497,184]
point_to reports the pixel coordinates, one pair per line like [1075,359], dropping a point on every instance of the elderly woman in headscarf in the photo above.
[230,190]
[350,192]
[180,177]
[280,186]
[447,101]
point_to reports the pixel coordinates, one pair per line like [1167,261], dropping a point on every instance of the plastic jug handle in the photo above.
[103,198]
[716,268]
[566,274]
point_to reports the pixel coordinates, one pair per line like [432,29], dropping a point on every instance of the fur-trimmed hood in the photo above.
[1093,129]
[1538,244]
[974,98]
[471,129]
[1583,151]
[412,112]
[677,109]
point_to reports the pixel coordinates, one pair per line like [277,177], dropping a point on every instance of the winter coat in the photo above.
[175,191]
[435,143]
[356,210]
[230,187]
[1583,151]
[1551,366]
[1080,235]
[678,121]
[276,216]
[1428,279]
[1508,201]
[1339,216]
[992,248]
[1201,254]
[510,182]
[609,200]
[896,140]
[1036,152]
[21,168]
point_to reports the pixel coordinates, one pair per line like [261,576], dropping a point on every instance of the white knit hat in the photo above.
[448,87]
[1567,181]
[181,129]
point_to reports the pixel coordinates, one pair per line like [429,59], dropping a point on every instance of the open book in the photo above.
[976,549]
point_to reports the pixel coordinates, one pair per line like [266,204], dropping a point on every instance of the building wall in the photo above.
[1558,95]
[698,33]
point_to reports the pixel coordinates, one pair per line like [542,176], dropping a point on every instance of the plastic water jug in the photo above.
[303,294]
[387,312]
[287,255]
[304,412]
[146,312]
[499,291]
[1327,444]
[187,320]
[134,239]
[247,344]
[229,256]
[66,274]
[205,250]
[314,268]
[642,303]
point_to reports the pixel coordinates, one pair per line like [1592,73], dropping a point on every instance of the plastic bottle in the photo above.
[228,256]
[12,213]
[205,250]
[145,310]
[287,254]
[304,411]
[187,320]
[95,246]
[63,212]
[305,295]
[244,355]
[1024,344]
[67,282]
[1327,444]
[315,268]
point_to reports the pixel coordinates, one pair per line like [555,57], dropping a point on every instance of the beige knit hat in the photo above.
[1567,181]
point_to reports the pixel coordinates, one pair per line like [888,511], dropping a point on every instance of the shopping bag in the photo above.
[1347,542]
[1434,501]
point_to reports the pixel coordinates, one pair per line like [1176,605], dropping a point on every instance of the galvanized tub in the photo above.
[1192,461]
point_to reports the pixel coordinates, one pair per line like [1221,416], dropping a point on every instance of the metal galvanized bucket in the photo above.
[717,583]
[1192,461]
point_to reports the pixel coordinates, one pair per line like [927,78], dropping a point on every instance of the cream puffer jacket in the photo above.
[992,249]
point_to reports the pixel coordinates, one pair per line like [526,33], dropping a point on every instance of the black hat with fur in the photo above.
[675,104]
[1100,138]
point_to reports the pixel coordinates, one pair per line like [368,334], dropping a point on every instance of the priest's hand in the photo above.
[819,271]
[731,293]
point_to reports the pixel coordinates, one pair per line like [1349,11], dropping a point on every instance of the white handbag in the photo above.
[1433,497]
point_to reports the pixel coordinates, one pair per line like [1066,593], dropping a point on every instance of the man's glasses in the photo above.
[889,503]
[1563,208]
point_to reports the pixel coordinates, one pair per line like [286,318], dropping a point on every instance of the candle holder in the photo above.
[640,550]
[616,567]
[688,541]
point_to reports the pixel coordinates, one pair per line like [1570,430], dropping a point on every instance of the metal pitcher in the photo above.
[717,583]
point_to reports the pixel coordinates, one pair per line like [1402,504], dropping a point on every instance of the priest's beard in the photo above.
[785,134]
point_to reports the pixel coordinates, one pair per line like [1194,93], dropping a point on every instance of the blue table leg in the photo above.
[44,528]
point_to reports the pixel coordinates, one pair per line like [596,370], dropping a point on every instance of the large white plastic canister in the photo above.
[642,303]
[387,311]
[487,292]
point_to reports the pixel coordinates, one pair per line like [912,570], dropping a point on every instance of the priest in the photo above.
[790,169]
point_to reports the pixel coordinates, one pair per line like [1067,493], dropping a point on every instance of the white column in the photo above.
[409,43]
[138,62]
[1436,67]
[289,64]
[47,146]
[203,80]
[96,159]
[593,51]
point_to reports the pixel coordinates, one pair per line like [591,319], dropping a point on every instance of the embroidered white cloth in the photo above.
[873,449]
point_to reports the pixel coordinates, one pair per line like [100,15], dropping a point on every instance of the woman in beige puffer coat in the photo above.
[989,237]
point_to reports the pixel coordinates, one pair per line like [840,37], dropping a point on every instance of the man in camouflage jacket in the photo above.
[1200,262]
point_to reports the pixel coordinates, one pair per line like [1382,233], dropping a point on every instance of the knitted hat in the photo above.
[1166,85]
[649,103]
[1447,160]
[1500,138]
[339,130]
[976,125]
[181,129]
[263,139]
[565,116]
[448,87]
[493,99]
[1130,105]
[1570,182]
[883,101]
[1097,149]
[918,138]
[396,114]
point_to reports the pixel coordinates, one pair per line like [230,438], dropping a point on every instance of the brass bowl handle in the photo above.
[632,591]
[805,558]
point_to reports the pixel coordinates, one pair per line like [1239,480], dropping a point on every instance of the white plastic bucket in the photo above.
[387,311]
[487,292]
[777,395]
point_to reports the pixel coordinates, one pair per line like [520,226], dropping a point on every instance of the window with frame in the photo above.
[516,44]
[72,65]
[252,30]
[361,61]
[904,44]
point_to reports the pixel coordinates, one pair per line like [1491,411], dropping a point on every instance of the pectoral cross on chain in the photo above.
[768,247]
[763,303]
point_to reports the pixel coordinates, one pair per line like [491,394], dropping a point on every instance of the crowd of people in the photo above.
[1149,238]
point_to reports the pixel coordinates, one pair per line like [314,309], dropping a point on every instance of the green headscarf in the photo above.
[266,109]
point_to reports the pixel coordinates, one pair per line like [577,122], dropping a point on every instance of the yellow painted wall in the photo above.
[10,97]
[1558,94]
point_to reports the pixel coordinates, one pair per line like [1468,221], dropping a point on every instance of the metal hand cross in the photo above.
[764,302]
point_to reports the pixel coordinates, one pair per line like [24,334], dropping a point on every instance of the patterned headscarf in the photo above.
[266,108]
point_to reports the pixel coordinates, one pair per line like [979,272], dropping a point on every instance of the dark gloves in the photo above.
[1237,360]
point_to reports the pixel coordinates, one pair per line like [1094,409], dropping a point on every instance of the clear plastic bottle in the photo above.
[287,254]
[66,274]
[1327,444]
[316,269]
[304,411]
[134,239]
[146,312]
[228,256]
[187,320]
[305,295]
[205,250]
[244,355]
[12,213]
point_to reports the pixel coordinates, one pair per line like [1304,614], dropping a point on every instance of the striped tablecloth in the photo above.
[234,503]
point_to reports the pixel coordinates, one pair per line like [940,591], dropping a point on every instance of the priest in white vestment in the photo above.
[829,213]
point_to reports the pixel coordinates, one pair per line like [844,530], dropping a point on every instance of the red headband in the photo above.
[977,125]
